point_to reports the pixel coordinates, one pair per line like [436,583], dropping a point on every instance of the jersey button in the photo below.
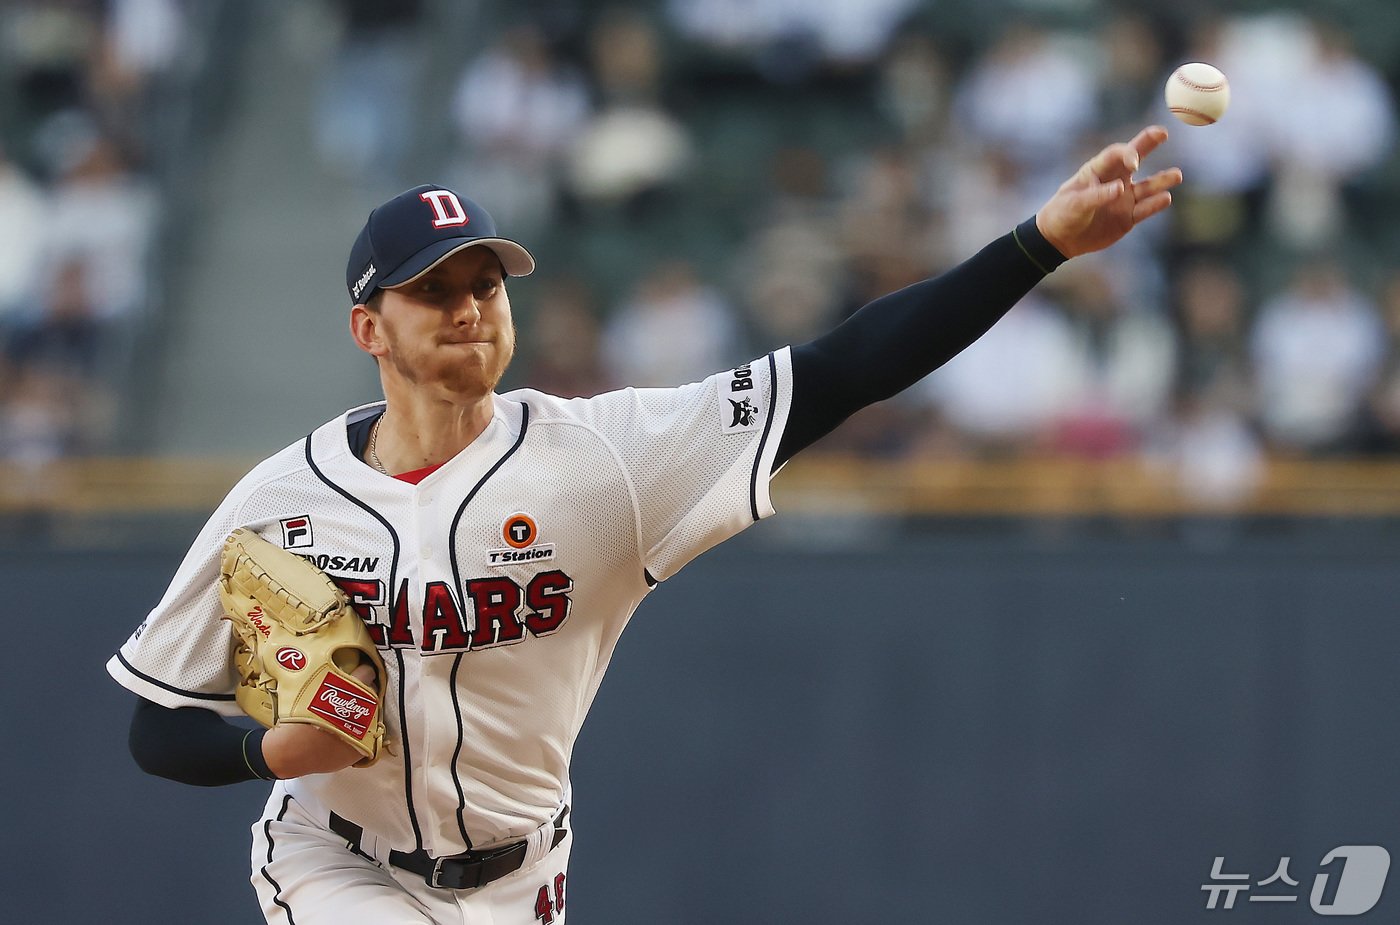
[424,500]
[426,552]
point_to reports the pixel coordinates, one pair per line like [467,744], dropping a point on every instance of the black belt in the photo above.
[459,872]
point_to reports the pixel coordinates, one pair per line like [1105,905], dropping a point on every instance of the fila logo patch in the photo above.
[739,411]
[446,206]
[296,532]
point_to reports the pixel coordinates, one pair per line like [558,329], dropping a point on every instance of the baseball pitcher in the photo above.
[418,600]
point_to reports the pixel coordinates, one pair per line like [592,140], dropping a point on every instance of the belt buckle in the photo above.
[435,877]
[475,861]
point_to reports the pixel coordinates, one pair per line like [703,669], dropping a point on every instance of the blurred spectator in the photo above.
[1131,83]
[144,40]
[38,419]
[1124,360]
[364,114]
[1335,120]
[562,342]
[101,215]
[516,110]
[66,336]
[144,37]
[887,230]
[47,46]
[673,330]
[62,361]
[1006,391]
[791,268]
[1032,97]
[633,147]
[789,40]
[22,235]
[984,195]
[1212,313]
[1215,459]
[1382,423]
[627,154]
[1317,349]
[914,88]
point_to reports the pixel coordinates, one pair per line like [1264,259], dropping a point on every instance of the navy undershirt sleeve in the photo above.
[195,746]
[898,339]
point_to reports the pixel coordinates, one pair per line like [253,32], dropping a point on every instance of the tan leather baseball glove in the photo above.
[298,641]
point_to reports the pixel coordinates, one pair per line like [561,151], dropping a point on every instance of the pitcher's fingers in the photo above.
[1146,208]
[1101,194]
[1159,181]
[1147,140]
[1117,161]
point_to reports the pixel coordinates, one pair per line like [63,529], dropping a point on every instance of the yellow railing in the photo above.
[110,486]
[1050,486]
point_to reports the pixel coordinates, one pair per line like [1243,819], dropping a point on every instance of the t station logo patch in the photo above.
[520,531]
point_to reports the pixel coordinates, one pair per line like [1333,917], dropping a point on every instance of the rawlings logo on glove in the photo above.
[298,644]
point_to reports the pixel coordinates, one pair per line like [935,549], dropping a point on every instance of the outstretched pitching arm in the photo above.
[899,338]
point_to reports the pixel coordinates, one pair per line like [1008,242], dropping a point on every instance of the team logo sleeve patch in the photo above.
[740,405]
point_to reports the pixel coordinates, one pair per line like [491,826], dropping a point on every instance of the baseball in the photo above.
[1197,93]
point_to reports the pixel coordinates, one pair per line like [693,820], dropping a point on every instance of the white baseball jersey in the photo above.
[496,588]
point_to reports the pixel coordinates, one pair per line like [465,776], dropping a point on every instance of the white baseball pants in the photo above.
[305,875]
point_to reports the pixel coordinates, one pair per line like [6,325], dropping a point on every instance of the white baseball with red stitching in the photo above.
[1198,93]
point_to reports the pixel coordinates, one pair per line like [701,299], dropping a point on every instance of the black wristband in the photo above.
[1038,251]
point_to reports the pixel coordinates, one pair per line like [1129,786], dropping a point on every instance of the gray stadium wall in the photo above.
[975,722]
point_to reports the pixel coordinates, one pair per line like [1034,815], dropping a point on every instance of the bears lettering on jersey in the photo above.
[502,611]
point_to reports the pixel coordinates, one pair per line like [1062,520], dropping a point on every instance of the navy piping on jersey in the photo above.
[388,596]
[461,738]
[763,440]
[459,588]
[194,695]
[276,887]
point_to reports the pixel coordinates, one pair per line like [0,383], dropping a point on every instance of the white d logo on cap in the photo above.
[446,206]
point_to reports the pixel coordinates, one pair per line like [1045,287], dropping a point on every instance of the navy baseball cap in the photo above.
[418,229]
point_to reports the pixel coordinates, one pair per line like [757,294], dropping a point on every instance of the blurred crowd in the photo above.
[77,212]
[766,167]
[704,180]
